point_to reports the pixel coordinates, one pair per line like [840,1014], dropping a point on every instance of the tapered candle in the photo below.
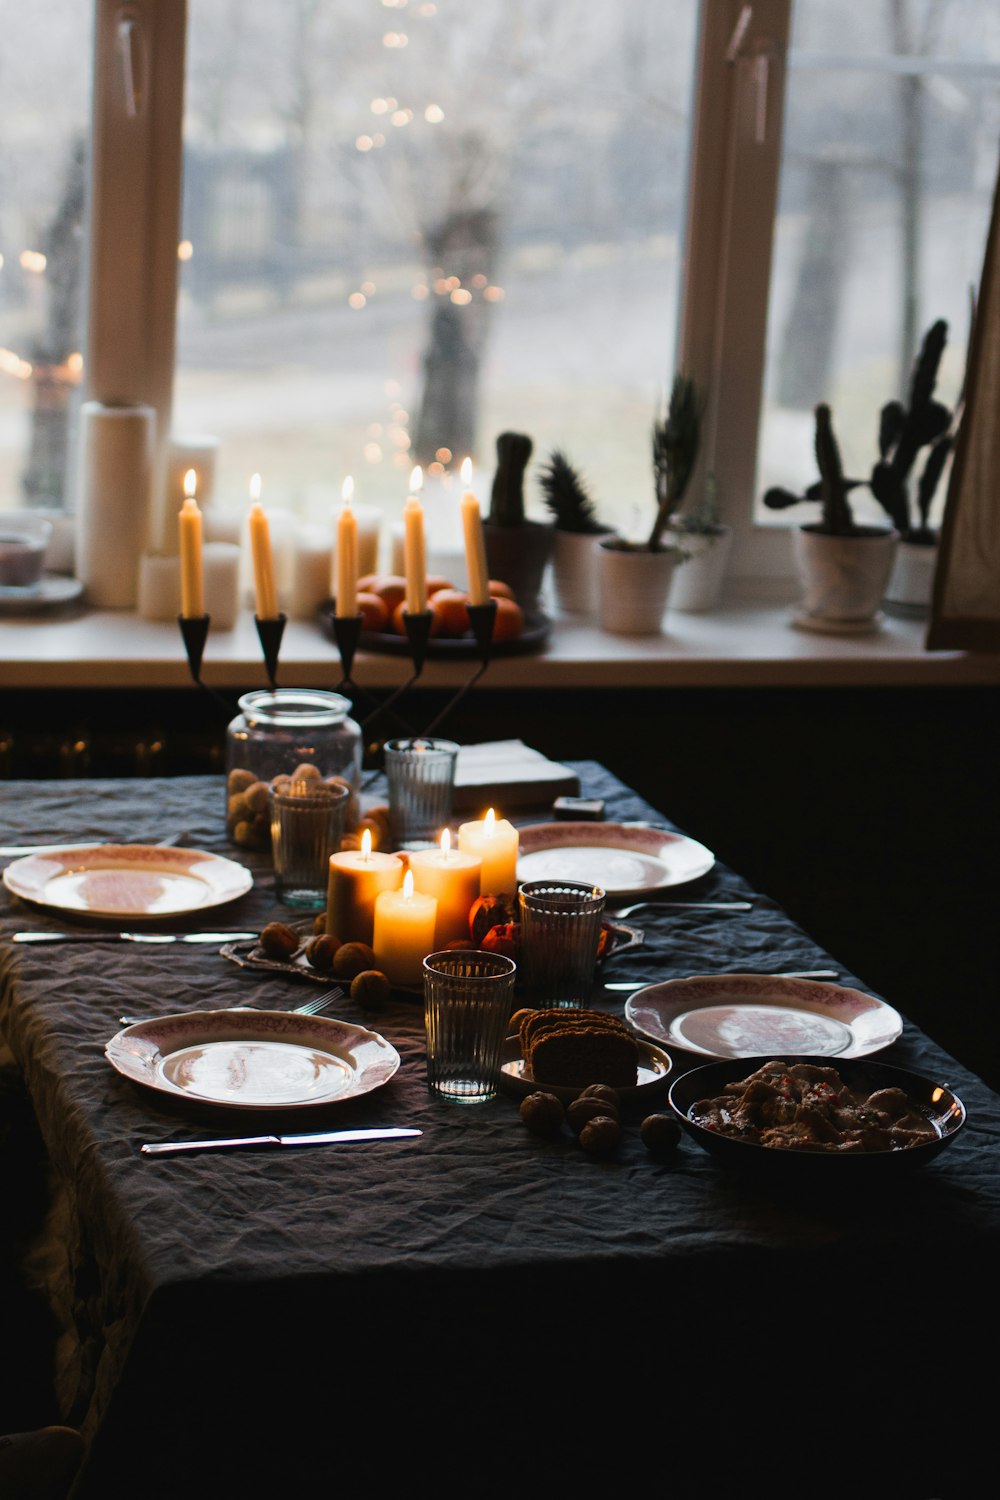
[403,932]
[192,572]
[475,544]
[356,878]
[346,592]
[263,562]
[415,550]
[495,842]
[453,877]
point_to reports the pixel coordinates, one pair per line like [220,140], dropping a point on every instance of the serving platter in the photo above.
[753,1015]
[653,1076]
[536,631]
[134,881]
[932,1099]
[253,1060]
[624,860]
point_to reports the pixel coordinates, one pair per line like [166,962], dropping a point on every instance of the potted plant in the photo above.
[575,530]
[704,542]
[517,550]
[634,577]
[903,431]
[843,566]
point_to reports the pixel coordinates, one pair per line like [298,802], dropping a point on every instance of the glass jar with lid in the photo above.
[284,732]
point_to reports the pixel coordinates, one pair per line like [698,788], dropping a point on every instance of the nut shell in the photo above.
[602,1133]
[371,989]
[321,951]
[278,940]
[603,1091]
[352,959]
[542,1113]
[660,1134]
[584,1109]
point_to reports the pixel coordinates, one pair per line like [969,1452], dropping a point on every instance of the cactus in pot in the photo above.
[517,549]
[903,431]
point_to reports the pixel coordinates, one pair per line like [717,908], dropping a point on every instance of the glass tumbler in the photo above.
[468,1001]
[307,823]
[560,931]
[421,778]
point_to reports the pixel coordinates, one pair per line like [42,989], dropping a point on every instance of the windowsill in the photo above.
[745,643]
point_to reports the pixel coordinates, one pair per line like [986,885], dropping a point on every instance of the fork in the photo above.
[625,911]
[308,1008]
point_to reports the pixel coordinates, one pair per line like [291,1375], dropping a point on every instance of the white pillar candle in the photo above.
[159,587]
[184,453]
[495,842]
[403,932]
[369,519]
[116,468]
[453,878]
[397,558]
[311,560]
[222,526]
[222,583]
[357,876]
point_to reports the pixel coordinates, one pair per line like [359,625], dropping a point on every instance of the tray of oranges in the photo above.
[381,604]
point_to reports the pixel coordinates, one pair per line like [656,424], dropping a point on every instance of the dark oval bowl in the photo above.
[933,1099]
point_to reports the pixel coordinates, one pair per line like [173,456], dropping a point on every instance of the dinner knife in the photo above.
[130,937]
[322,1138]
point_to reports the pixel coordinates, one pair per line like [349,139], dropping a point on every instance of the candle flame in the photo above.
[254,486]
[407,885]
[366,844]
[347,490]
[190,484]
[488,824]
[466,471]
[446,841]
[416,478]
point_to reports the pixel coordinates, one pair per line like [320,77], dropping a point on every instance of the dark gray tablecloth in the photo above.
[479,1296]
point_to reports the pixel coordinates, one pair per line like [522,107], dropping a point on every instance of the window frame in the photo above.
[732,191]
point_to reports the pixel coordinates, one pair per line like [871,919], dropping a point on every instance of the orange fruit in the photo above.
[500,590]
[374,611]
[451,607]
[400,628]
[509,621]
[436,582]
[389,587]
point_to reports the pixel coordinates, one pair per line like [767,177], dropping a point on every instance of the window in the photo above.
[43,137]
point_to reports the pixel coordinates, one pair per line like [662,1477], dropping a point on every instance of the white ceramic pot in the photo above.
[911,582]
[697,581]
[574,571]
[632,589]
[843,578]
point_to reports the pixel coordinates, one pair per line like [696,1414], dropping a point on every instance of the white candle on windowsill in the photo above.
[192,570]
[415,550]
[311,559]
[345,588]
[266,592]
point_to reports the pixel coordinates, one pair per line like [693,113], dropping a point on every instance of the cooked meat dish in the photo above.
[805,1107]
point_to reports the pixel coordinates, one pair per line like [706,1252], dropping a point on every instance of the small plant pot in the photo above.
[632,588]
[843,578]
[574,571]
[911,582]
[697,581]
[518,556]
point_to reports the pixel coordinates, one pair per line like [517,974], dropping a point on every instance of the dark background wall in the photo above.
[870,814]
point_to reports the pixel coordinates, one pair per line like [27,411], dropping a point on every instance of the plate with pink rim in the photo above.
[253,1060]
[624,859]
[134,881]
[755,1015]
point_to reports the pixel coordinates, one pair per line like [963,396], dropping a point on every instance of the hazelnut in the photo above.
[352,959]
[603,1091]
[321,952]
[239,780]
[279,940]
[583,1109]
[319,922]
[258,799]
[307,772]
[542,1113]
[661,1134]
[376,830]
[371,988]
[602,1133]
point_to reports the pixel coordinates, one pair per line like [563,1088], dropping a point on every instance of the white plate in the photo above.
[52,591]
[760,1015]
[127,880]
[258,1060]
[623,860]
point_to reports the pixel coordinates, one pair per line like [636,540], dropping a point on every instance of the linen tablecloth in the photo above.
[477,1307]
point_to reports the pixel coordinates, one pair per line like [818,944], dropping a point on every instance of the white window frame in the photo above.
[734,167]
